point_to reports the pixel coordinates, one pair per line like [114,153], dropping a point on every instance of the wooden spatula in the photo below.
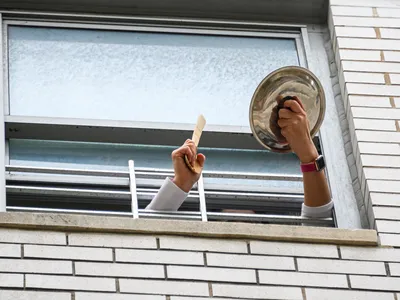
[201,122]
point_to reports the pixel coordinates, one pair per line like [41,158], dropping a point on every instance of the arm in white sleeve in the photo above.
[169,197]
[324,211]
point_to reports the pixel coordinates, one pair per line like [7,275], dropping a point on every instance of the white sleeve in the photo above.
[169,197]
[324,211]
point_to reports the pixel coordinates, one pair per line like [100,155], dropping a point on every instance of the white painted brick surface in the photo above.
[376,113]
[375,283]
[119,270]
[373,89]
[211,274]
[369,101]
[388,239]
[388,226]
[250,261]
[104,296]
[368,124]
[379,148]
[364,77]
[382,173]
[366,32]
[200,244]
[389,12]
[293,249]
[35,266]
[78,253]
[378,136]
[380,161]
[341,266]
[30,295]
[397,102]
[201,298]
[390,33]
[385,199]
[11,280]
[112,240]
[161,287]
[70,283]
[160,257]
[257,292]
[395,78]
[389,186]
[388,213]
[320,294]
[371,55]
[366,22]
[352,11]
[371,66]
[10,250]
[368,3]
[32,237]
[303,279]
[392,56]
[394,269]
[371,254]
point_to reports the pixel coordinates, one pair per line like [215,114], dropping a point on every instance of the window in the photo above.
[83,101]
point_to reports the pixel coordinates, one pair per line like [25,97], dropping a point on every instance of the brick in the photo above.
[303,279]
[390,33]
[389,12]
[369,101]
[164,287]
[373,89]
[371,55]
[32,237]
[70,283]
[250,261]
[112,240]
[77,253]
[370,66]
[366,22]
[119,270]
[211,274]
[364,77]
[103,296]
[378,136]
[392,56]
[293,249]
[257,292]
[388,186]
[352,11]
[370,254]
[320,294]
[160,257]
[394,269]
[375,283]
[388,239]
[388,226]
[11,280]
[369,3]
[341,266]
[35,266]
[397,102]
[395,79]
[28,295]
[10,250]
[382,173]
[379,148]
[376,113]
[202,298]
[200,244]
[366,32]
[370,44]
[368,124]
[385,199]
[387,213]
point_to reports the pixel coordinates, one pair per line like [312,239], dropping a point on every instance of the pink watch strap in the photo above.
[311,167]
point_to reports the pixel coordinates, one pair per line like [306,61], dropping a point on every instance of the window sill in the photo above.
[232,230]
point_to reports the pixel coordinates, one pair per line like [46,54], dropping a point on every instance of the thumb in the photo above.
[201,159]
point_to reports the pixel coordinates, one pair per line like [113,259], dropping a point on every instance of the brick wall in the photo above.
[366,42]
[81,266]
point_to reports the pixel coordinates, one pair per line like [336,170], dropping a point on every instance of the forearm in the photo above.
[316,190]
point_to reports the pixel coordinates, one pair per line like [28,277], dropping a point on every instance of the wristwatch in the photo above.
[315,166]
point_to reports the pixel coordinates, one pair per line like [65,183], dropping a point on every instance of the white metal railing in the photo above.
[133,175]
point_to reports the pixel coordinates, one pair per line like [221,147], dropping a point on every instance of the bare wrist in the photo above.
[184,185]
[309,155]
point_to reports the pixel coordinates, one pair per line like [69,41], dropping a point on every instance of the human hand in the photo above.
[184,177]
[295,128]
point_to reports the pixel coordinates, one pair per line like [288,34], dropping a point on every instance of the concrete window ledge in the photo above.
[231,230]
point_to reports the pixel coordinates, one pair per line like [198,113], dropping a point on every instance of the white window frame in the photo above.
[147,132]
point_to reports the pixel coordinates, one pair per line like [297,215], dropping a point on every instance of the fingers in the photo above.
[286,114]
[294,105]
[299,101]
[182,151]
[282,123]
[201,159]
[193,148]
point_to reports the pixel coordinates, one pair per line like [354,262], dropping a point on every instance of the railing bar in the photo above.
[132,187]
[64,171]
[202,199]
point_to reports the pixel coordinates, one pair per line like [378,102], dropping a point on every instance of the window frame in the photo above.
[148,132]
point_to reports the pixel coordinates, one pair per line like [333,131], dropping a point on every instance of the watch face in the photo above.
[320,163]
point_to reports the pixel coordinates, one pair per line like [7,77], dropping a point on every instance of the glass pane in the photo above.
[101,156]
[139,76]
